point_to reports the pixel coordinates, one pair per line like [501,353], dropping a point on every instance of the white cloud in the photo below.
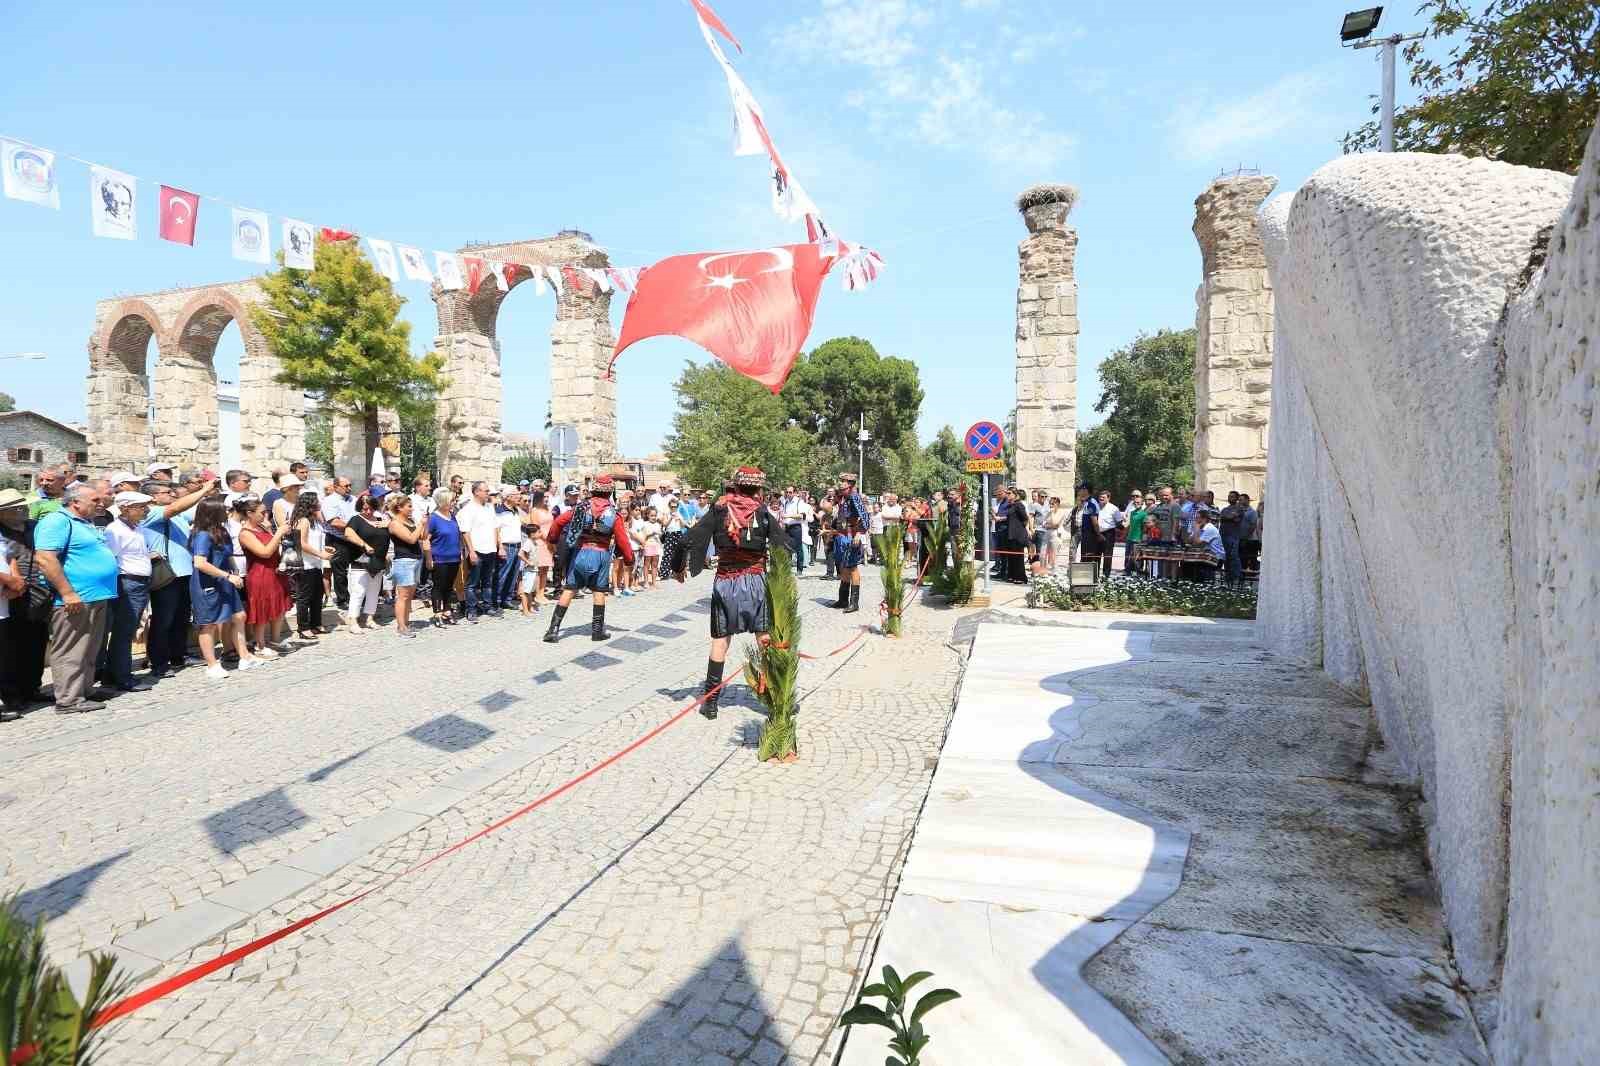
[1215,130]
[923,84]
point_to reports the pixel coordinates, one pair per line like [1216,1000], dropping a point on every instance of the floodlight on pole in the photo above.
[1353,33]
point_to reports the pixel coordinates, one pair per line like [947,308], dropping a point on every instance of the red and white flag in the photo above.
[752,310]
[709,17]
[477,270]
[180,212]
[331,234]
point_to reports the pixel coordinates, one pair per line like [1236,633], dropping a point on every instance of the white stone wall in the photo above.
[1551,1000]
[1429,538]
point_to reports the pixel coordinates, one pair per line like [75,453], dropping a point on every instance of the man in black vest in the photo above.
[743,530]
[589,536]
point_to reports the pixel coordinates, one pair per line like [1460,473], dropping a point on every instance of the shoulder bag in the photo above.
[161,572]
[41,597]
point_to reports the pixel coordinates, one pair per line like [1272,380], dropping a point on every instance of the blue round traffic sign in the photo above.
[985,440]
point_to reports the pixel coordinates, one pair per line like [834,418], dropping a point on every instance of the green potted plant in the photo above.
[41,1021]
[773,667]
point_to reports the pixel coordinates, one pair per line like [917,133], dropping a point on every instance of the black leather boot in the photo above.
[555,625]
[713,688]
[855,600]
[844,594]
[597,629]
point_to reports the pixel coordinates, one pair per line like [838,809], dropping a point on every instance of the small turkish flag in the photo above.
[752,310]
[180,211]
[330,234]
[477,270]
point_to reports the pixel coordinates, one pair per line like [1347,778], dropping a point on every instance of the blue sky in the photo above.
[913,123]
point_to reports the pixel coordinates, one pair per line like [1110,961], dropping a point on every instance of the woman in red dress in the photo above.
[266,592]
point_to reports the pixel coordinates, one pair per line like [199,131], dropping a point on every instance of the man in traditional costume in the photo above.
[588,536]
[850,519]
[742,528]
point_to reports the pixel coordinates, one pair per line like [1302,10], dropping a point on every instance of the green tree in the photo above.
[8,402]
[336,332]
[525,464]
[319,441]
[1148,435]
[1521,83]
[419,439]
[725,420]
[844,378]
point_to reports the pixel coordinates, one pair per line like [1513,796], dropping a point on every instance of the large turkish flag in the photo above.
[179,212]
[752,310]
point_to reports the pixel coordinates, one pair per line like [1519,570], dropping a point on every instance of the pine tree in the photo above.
[336,332]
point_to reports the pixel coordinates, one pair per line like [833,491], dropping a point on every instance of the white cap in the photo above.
[289,481]
[155,468]
[125,475]
[122,499]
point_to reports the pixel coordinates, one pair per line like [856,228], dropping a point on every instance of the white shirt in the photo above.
[1212,539]
[478,523]
[127,543]
[892,512]
[794,510]
[338,507]
[421,507]
[658,501]
[1109,517]
[318,540]
[510,523]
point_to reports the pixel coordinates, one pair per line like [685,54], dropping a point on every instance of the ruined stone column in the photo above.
[1047,342]
[581,343]
[1233,352]
[185,408]
[272,416]
[352,456]
[118,393]
[469,407]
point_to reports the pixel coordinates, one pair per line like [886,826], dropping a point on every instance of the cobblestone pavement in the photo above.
[687,904]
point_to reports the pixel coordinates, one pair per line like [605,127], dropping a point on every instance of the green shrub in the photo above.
[1143,595]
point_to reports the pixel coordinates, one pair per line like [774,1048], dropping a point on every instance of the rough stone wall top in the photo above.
[1398,270]
[1225,222]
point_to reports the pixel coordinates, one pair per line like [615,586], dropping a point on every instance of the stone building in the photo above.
[1047,342]
[183,424]
[1233,353]
[30,441]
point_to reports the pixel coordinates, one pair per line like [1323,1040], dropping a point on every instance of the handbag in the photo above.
[291,557]
[161,572]
[41,597]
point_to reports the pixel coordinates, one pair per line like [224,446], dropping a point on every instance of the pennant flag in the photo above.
[180,214]
[30,174]
[540,285]
[817,230]
[747,139]
[448,267]
[477,270]
[337,234]
[415,266]
[498,269]
[624,278]
[574,279]
[555,278]
[861,268]
[383,258]
[752,310]
[299,247]
[601,279]
[709,17]
[112,196]
[250,240]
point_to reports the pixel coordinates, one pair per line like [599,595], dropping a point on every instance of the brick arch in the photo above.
[201,323]
[123,340]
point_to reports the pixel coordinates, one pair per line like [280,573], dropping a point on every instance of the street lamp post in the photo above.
[1353,33]
[24,355]
[862,436]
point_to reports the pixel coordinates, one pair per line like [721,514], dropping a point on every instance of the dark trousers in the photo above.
[22,645]
[1250,555]
[1235,569]
[558,572]
[168,638]
[307,600]
[444,586]
[480,582]
[797,547]
[505,581]
[339,565]
[133,596]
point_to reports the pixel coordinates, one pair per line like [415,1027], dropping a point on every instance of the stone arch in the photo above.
[118,400]
[581,343]
[184,428]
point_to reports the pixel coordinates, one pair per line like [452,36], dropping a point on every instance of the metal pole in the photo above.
[861,443]
[1386,136]
[988,523]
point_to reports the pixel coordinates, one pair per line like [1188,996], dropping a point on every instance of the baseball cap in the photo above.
[377,492]
[125,475]
[122,499]
[571,489]
[155,468]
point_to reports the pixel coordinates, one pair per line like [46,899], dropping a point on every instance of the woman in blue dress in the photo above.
[214,589]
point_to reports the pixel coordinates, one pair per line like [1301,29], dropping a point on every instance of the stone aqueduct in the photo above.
[185,325]
[1233,361]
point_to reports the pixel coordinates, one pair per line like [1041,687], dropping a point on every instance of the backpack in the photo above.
[584,522]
